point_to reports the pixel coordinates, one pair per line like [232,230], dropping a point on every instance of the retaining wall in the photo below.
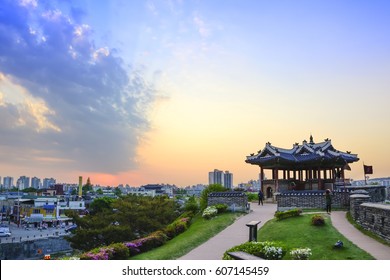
[33,249]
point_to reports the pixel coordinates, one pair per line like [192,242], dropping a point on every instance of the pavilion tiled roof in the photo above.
[301,156]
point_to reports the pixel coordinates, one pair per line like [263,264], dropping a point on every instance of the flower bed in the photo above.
[301,253]
[267,250]
[122,251]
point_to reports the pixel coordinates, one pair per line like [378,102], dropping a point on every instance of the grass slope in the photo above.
[200,231]
[298,232]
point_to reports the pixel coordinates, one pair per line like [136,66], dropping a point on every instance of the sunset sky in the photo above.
[137,92]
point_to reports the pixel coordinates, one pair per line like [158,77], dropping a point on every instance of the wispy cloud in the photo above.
[77,101]
[201,26]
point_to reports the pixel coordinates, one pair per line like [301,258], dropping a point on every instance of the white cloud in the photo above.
[64,97]
[201,26]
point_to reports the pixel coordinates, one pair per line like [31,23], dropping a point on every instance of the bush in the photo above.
[268,250]
[280,215]
[221,208]
[177,227]
[317,220]
[120,252]
[116,251]
[153,240]
[210,212]
[191,205]
[300,253]
[211,188]
[252,196]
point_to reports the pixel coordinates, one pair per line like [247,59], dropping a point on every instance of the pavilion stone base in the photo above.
[236,201]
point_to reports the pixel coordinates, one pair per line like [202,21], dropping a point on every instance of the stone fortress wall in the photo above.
[236,201]
[33,249]
[366,205]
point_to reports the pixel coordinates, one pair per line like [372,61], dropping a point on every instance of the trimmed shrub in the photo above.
[187,214]
[318,220]
[210,212]
[120,252]
[268,250]
[280,215]
[221,208]
[153,240]
[300,253]
[177,227]
[116,251]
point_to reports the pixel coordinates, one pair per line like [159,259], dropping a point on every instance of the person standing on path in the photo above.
[261,197]
[328,201]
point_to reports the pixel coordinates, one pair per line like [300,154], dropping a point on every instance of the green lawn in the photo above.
[200,231]
[298,232]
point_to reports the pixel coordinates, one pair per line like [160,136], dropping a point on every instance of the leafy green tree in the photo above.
[100,204]
[30,190]
[211,188]
[117,191]
[191,205]
[123,219]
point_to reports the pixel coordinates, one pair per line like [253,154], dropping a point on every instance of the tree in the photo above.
[117,191]
[100,204]
[87,187]
[191,205]
[211,188]
[123,219]
[30,190]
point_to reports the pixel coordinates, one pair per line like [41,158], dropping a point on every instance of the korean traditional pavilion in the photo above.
[310,166]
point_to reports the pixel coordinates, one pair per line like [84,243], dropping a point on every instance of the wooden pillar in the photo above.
[319,178]
[277,180]
[261,179]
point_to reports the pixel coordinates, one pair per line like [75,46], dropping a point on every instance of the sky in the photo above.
[138,92]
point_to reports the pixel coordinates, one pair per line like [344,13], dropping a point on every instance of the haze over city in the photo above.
[137,92]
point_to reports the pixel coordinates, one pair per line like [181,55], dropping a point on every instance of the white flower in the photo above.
[301,253]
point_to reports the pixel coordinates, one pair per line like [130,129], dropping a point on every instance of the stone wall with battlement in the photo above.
[236,201]
[374,217]
[316,199]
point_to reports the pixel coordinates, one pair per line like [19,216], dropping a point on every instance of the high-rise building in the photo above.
[8,183]
[23,182]
[223,178]
[228,180]
[48,182]
[35,182]
[216,177]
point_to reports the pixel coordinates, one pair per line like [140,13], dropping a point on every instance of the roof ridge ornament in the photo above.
[311,139]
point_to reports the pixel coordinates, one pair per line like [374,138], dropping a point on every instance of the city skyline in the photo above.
[137,92]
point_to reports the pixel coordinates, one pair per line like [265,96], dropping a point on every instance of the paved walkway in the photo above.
[238,233]
[233,235]
[373,247]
